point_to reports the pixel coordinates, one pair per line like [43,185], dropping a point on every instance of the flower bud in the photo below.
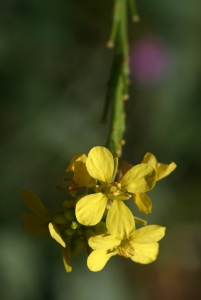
[59,218]
[70,214]
[75,225]
[68,231]
[81,231]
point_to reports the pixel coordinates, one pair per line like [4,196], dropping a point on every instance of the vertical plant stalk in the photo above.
[119,79]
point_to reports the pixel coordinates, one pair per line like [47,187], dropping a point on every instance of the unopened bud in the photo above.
[68,231]
[81,231]
[59,218]
[70,214]
[75,225]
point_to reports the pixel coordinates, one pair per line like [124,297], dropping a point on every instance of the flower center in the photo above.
[113,191]
[126,249]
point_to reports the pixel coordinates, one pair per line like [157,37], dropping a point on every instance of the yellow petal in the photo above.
[150,159]
[79,157]
[98,259]
[145,253]
[55,234]
[34,204]
[81,175]
[100,164]
[164,170]
[101,242]
[147,234]
[33,224]
[120,221]
[66,259]
[143,202]
[139,179]
[90,209]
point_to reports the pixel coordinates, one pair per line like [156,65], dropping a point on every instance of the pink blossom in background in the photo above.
[149,60]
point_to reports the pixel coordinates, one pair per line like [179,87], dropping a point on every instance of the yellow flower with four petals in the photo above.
[100,165]
[140,246]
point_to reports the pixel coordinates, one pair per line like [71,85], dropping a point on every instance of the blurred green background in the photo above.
[54,69]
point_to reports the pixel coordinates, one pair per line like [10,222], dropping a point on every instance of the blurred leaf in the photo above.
[34,204]
[33,224]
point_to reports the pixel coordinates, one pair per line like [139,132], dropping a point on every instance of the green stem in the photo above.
[118,84]
[117,126]
[115,25]
[134,11]
[124,37]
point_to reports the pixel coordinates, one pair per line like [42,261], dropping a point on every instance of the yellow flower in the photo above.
[162,170]
[81,176]
[141,247]
[90,209]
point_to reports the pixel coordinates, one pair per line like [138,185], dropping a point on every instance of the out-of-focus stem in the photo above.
[118,82]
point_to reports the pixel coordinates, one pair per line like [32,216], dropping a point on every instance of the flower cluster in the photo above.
[96,217]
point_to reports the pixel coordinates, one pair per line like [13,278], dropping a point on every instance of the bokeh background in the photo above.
[54,69]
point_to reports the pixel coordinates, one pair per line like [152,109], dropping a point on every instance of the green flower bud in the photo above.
[77,245]
[81,233]
[75,225]
[59,218]
[69,231]
[70,214]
